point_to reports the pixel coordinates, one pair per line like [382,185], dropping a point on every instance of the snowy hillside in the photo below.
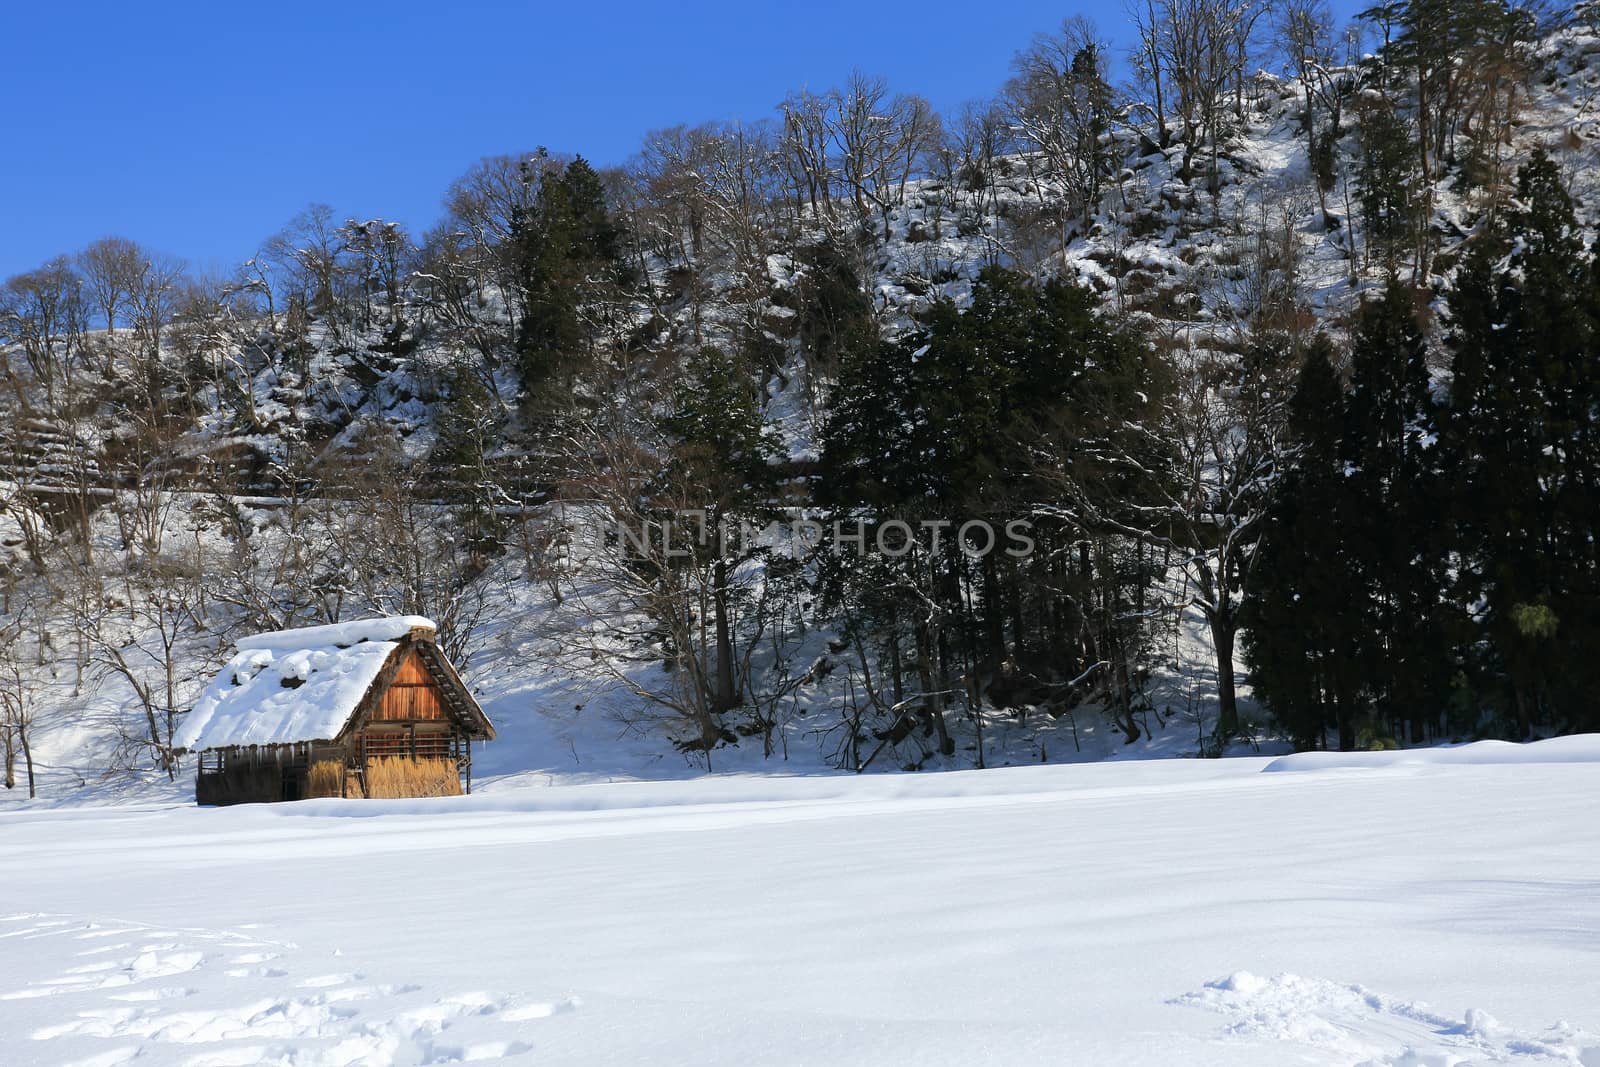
[270,462]
[1194,912]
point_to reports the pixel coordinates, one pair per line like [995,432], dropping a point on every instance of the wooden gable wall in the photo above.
[413,696]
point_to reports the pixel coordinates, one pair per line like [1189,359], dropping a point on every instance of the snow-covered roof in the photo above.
[294,685]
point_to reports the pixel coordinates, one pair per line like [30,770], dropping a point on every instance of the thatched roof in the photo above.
[304,685]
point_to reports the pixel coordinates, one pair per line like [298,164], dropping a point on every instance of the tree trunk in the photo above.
[993,615]
[1222,638]
[727,697]
[926,645]
[27,757]
[163,751]
[895,668]
[1347,727]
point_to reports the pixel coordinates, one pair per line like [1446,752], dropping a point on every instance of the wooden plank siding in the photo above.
[411,703]
[412,671]
[413,695]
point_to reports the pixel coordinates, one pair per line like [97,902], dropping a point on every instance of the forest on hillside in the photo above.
[1293,325]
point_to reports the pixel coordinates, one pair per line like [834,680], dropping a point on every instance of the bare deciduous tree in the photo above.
[154,299]
[42,313]
[18,689]
[111,268]
[1060,103]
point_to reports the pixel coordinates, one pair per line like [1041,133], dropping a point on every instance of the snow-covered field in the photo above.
[1418,908]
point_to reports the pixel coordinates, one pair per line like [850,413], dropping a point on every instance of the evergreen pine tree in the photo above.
[469,428]
[722,455]
[955,422]
[569,257]
[1524,442]
[1398,536]
[1387,181]
[1299,622]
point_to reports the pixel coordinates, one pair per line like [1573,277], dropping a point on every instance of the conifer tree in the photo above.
[569,258]
[1025,405]
[1355,562]
[1388,182]
[469,428]
[1397,533]
[721,454]
[834,321]
[1525,447]
[1299,622]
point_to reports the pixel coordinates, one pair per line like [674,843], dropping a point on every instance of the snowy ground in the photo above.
[1415,909]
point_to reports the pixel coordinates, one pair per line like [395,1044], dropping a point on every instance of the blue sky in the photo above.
[199,129]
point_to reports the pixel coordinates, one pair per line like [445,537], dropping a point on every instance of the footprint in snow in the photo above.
[48,928]
[1370,1029]
[110,1058]
[421,1023]
[296,1018]
[355,1023]
[144,967]
[91,968]
[142,996]
[322,981]
[487,1050]
[540,1011]
[101,950]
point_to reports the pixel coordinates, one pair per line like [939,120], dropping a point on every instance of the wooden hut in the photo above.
[361,709]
